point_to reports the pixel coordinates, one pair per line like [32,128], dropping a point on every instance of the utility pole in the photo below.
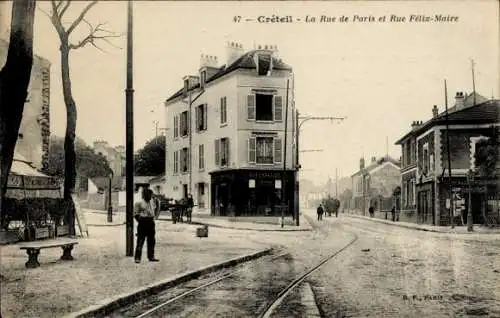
[448,151]
[283,184]
[473,83]
[470,221]
[129,156]
[298,166]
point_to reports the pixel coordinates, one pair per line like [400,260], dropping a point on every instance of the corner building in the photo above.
[226,135]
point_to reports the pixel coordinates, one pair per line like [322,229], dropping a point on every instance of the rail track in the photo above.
[153,306]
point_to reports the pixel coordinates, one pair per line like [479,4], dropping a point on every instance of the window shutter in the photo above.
[188,160]
[205,116]
[222,110]
[251,107]
[176,126]
[227,151]
[252,150]
[216,151]
[278,108]
[277,150]
[181,160]
[197,114]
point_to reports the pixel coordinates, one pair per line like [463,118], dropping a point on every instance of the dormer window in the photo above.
[264,64]
[203,78]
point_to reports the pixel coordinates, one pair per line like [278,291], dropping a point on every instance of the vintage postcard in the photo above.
[249,158]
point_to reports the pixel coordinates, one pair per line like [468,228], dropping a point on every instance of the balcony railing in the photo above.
[265,159]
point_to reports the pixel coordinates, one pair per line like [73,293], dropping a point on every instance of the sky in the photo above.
[380,75]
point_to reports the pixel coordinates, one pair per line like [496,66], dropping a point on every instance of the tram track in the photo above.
[170,300]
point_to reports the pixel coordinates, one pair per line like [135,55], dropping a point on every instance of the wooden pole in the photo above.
[129,156]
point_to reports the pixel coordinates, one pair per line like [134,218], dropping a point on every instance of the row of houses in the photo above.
[418,184]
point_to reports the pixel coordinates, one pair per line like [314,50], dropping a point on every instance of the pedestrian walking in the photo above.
[393,212]
[320,212]
[189,210]
[144,214]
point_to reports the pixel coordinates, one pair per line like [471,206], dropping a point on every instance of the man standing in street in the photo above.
[144,213]
[320,212]
[189,210]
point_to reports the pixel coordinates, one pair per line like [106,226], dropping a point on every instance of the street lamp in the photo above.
[297,165]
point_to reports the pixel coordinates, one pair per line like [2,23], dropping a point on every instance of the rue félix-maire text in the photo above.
[390,18]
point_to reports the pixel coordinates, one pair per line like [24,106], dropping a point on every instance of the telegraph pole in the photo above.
[129,156]
[283,184]
[448,150]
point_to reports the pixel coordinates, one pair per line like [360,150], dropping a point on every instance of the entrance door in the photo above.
[201,195]
[184,191]
[222,199]
[265,194]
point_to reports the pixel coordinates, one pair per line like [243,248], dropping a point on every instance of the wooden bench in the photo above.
[33,249]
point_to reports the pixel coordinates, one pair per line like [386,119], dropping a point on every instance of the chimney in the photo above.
[234,51]
[190,81]
[435,111]
[459,100]
[374,159]
[361,163]
[208,61]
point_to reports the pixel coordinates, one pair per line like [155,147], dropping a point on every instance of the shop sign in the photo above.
[277,184]
[251,183]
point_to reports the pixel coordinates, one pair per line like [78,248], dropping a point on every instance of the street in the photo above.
[388,271]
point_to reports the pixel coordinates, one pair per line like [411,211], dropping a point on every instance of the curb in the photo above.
[411,227]
[249,229]
[237,228]
[119,224]
[107,306]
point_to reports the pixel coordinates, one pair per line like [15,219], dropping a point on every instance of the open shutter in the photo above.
[176,126]
[252,150]
[205,116]
[251,107]
[217,151]
[227,151]
[181,161]
[197,116]
[278,108]
[277,150]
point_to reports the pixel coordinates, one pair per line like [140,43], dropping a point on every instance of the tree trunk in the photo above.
[70,136]
[14,81]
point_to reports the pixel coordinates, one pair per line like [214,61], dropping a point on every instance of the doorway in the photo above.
[201,195]
[265,195]
[184,191]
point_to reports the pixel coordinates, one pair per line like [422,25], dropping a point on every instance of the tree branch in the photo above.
[80,17]
[94,35]
[64,9]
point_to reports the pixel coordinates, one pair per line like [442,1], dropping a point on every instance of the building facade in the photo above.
[114,155]
[34,132]
[373,185]
[225,137]
[425,182]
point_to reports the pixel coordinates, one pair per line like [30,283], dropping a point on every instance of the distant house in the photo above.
[114,155]
[157,184]
[425,182]
[374,184]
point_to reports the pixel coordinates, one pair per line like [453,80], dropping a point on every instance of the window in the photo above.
[425,158]
[265,150]
[223,110]
[184,160]
[176,126]
[201,117]
[264,64]
[222,152]
[265,107]
[176,162]
[201,157]
[184,124]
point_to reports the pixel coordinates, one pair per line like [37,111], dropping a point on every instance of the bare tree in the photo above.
[96,33]
[14,81]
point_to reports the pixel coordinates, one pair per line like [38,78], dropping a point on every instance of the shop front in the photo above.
[483,200]
[251,192]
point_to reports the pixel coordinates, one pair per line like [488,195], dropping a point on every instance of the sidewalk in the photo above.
[478,229]
[252,223]
[101,270]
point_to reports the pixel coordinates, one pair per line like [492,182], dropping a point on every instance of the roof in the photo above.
[103,182]
[377,164]
[143,179]
[487,112]
[246,61]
